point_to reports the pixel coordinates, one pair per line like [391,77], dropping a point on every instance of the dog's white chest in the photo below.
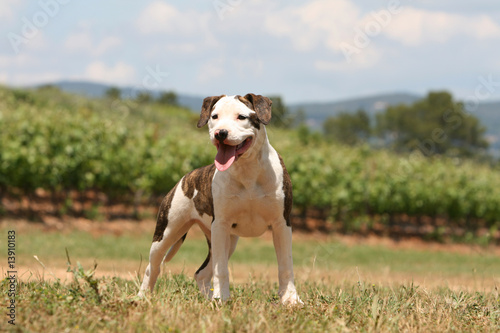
[249,209]
[253,217]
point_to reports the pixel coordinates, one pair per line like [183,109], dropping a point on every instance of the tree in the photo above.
[280,113]
[48,87]
[348,128]
[434,125]
[144,97]
[300,118]
[113,93]
[168,98]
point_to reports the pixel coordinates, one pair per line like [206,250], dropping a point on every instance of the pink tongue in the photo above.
[225,157]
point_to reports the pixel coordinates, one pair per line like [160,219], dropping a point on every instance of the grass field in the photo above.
[347,286]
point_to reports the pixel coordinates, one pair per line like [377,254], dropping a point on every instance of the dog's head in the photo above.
[234,122]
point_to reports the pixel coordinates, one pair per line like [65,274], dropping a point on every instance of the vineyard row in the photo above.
[88,145]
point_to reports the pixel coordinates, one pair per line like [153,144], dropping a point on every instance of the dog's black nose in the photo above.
[221,135]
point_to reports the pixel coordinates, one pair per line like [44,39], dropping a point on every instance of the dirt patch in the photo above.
[415,243]
[120,227]
[240,273]
[116,227]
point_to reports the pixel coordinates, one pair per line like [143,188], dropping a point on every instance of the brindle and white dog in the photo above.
[244,193]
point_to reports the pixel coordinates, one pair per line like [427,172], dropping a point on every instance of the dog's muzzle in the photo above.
[228,154]
[221,135]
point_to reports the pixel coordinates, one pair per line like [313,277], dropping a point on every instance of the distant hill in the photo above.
[316,112]
[92,89]
[489,115]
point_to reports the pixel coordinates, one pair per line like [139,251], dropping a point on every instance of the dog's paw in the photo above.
[291,299]
[218,298]
[141,294]
[218,302]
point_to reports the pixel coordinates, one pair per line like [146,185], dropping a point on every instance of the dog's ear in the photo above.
[206,109]
[261,105]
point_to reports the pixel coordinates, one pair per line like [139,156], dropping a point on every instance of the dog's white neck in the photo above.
[250,165]
[256,151]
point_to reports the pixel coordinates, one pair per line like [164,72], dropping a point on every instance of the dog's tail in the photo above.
[173,250]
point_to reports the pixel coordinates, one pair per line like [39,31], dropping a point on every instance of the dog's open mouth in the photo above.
[227,154]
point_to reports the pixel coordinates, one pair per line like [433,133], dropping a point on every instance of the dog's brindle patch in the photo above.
[162,220]
[245,101]
[260,104]
[200,180]
[206,109]
[254,120]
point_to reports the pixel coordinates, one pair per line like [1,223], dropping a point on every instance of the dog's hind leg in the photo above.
[171,227]
[153,270]
[171,242]
[203,275]
[173,250]
[157,255]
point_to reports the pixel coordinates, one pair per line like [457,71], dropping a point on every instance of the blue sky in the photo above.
[317,50]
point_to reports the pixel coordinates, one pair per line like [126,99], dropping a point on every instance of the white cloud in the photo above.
[78,42]
[340,28]
[8,9]
[31,78]
[330,23]
[120,73]
[21,60]
[181,48]
[19,43]
[366,58]
[485,28]
[4,78]
[83,42]
[160,17]
[107,44]
[211,70]
[315,23]
[415,27]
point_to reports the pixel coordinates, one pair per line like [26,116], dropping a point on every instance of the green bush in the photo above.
[59,142]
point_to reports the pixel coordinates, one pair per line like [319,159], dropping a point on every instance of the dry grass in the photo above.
[177,306]
[347,286]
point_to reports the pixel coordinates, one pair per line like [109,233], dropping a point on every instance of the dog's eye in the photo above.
[242,117]
[215,116]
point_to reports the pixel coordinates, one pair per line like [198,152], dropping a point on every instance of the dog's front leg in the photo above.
[221,244]
[282,238]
